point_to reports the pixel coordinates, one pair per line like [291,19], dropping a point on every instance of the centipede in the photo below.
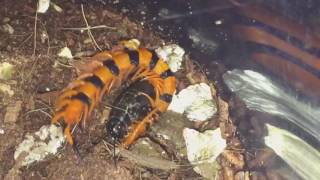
[285,48]
[149,93]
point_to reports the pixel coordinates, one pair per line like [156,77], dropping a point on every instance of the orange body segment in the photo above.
[78,100]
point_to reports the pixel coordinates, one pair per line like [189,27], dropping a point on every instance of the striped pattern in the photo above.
[77,101]
[284,47]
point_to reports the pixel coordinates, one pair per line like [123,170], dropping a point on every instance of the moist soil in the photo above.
[31,42]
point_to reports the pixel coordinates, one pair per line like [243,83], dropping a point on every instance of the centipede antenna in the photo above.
[115,107]
[74,128]
[114,153]
[76,149]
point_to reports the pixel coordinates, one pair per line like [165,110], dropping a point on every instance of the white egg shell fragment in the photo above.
[6,70]
[66,53]
[43,6]
[203,149]
[196,101]
[172,54]
[36,147]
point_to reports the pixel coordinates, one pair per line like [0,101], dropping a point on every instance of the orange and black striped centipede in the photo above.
[286,48]
[149,94]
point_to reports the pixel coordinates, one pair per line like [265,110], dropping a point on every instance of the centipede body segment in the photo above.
[150,92]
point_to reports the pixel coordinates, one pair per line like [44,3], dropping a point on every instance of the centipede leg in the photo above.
[75,148]
[137,74]
[94,102]
[102,55]
[149,75]
[106,89]
[83,76]
[85,116]
[57,117]
[114,153]
[79,81]
[74,84]
[66,94]
[157,83]
[152,102]
[67,132]
[91,67]
[140,128]
[62,104]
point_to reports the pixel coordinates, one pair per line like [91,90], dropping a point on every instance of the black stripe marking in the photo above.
[166,97]
[280,34]
[154,60]
[82,97]
[95,80]
[134,57]
[111,65]
[274,51]
[166,74]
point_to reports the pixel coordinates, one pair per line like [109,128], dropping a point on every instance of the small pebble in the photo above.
[5,20]
[8,28]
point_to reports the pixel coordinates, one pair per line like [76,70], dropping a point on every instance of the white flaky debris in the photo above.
[172,54]
[8,28]
[203,149]
[196,101]
[36,147]
[56,7]
[6,89]
[65,52]
[294,151]
[132,44]
[43,6]
[6,70]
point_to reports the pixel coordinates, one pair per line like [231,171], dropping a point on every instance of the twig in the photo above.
[39,110]
[88,30]
[48,40]
[48,50]
[35,35]
[46,105]
[25,40]
[148,161]
[64,65]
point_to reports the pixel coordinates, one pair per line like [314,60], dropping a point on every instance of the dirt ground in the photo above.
[40,74]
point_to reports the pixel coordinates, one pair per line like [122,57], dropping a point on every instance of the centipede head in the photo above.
[116,129]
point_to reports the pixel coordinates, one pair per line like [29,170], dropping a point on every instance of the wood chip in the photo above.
[12,112]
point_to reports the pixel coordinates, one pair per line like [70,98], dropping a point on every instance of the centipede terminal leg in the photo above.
[114,153]
[75,148]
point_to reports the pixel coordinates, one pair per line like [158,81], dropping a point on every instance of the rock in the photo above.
[196,101]
[203,149]
[43,6]
[39,145]
[172,54]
